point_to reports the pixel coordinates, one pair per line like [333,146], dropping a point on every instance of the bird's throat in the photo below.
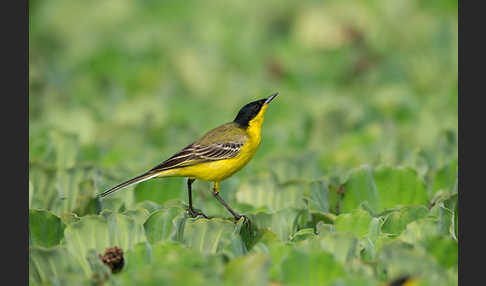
[255,126]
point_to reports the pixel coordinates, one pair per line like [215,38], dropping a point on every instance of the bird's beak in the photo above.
[270,98]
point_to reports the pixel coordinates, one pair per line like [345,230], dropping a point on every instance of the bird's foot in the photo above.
[194,213]
[246,219]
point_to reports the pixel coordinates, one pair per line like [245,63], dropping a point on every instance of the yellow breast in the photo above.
[219,170]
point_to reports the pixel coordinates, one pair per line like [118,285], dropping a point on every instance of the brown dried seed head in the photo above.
[113,258]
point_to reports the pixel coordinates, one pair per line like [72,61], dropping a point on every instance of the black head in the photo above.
[249,111]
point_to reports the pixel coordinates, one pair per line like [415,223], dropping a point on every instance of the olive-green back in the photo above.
[227,133]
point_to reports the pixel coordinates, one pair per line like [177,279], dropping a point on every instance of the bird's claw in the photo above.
[193,213]
[246,219]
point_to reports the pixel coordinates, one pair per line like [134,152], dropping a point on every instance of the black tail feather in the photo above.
[125,184]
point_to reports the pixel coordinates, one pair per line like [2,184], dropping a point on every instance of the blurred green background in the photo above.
[116,87]
[371,82]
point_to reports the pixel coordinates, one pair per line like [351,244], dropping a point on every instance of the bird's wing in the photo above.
[220,143]
[223,142]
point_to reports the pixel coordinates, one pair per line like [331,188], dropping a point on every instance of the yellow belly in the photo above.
[217,170]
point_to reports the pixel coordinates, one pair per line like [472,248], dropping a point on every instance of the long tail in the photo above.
[136,180]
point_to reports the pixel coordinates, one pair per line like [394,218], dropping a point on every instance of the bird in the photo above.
[215,156]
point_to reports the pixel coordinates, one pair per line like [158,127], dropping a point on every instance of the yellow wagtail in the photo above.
[215,156]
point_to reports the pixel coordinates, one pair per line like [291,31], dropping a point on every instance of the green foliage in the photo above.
[355,180]
[399,187]
[358,222]
[382,189]
[100,232]
[397,221]
[214,236]
[445,178]
[310,268]
[168,263]
[344,246]
[159,191]
[247,270]
[45,229]
[399,259]
[265,192]
[283,223]
[359,188]
[165,224]
[51,265]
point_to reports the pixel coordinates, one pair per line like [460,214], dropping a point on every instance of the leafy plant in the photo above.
[355,181]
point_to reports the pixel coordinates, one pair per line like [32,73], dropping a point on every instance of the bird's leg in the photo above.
[191,211]
[235,215]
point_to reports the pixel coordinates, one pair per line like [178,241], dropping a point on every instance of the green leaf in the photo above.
[66,149]
[165,224]
[324,217]
[344,246]
[45,229]
[420,230]
[140,254]
[383,189]
[368,251]
[160,190]
[99,232]
[356,280]
[356,222]
[112,203]
[399,187]
[169,263]
[278,252]
[399,259]
[310,268]
[262,239]
[319,197]
[74,192]
[284,223]
[303,234]
[68,218]
[124,230]
[49,266]
[443,249]
[455,223]
[90,232]
[247,270]
[211,236]
[31,193]
[397,221]
[322,227]
[40,145]
[149,206]
[98,268]
[445,209]
[375,228]
[63,190]
[43,182]
[360,187]
[264,192]
[140,215]
[427,234]
[445,178]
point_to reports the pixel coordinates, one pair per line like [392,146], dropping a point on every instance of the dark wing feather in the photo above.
[196,154]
